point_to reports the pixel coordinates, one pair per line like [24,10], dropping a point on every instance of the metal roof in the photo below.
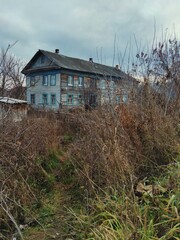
[12,100]
[75,64]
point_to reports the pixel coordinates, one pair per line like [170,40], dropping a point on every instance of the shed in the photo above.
[13,108]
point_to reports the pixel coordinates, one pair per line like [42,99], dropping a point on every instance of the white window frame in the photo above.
[70,80]
[80,81]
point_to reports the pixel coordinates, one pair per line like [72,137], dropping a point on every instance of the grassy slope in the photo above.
[68,213]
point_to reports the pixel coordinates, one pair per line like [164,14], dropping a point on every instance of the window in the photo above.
[70,81]
[45,99]
[118,99]
[32,81]
[53,99]
[125,98]
[53,80]
[32,98]
[70,99]
[103,84]
[45,80]
[80,81]
[80,99]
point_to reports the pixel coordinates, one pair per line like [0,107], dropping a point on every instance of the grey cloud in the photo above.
[81,28]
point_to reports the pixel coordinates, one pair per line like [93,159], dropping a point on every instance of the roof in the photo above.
[12,100]
[75,64]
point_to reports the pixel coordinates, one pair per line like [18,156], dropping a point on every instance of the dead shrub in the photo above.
[115,148]
[22,176]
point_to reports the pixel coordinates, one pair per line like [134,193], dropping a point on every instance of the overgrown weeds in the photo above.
[101,156]
[122,215]
[26,166]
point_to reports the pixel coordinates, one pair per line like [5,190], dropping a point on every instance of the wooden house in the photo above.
[56,81]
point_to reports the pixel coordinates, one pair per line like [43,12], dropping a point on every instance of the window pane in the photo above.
[80,81]
[32,81]
[70,81]
[53,99]
[53,80]
[32,98]
[80,99]
[125,98]
[70,99]
[45,80]
[44,99]
[118,100]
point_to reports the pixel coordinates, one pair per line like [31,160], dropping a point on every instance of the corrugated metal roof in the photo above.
[69,63]
[12,100]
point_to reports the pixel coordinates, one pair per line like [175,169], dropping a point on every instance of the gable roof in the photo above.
[75,64]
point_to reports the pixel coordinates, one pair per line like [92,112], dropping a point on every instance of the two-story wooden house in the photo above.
[56,81]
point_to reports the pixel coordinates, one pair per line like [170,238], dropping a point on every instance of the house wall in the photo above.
[95,89]
[103,90]
[39,89]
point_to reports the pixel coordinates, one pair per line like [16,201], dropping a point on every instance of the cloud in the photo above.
[83,28]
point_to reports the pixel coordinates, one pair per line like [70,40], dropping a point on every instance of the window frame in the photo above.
[72,102]
[125,98]
[43,97]
[34,98]
[118,99]
[32,81]
[80,100]
[53,103]
[72,80]
[45,80]
[51,80]
[80,81]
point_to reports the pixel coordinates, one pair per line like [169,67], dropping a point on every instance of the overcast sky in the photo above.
[85,28]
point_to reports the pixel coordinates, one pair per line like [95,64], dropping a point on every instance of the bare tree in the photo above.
[159,68]
[11,79]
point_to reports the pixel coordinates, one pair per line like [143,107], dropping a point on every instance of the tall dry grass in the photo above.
[24,148]
[116,147]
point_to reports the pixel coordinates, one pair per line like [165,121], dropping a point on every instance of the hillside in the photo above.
[110,173]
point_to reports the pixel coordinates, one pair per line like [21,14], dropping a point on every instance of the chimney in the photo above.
[90,59]
[57,50]
[117,67]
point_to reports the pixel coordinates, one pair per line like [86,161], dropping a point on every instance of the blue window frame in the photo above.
[45,99]
[32,81]
[53,99]
[32,98]
[118,99]
[53,80]
[45,80]
[125,98]
[70,99]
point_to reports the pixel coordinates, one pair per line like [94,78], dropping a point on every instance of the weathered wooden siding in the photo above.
[39,89]
[96,89]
